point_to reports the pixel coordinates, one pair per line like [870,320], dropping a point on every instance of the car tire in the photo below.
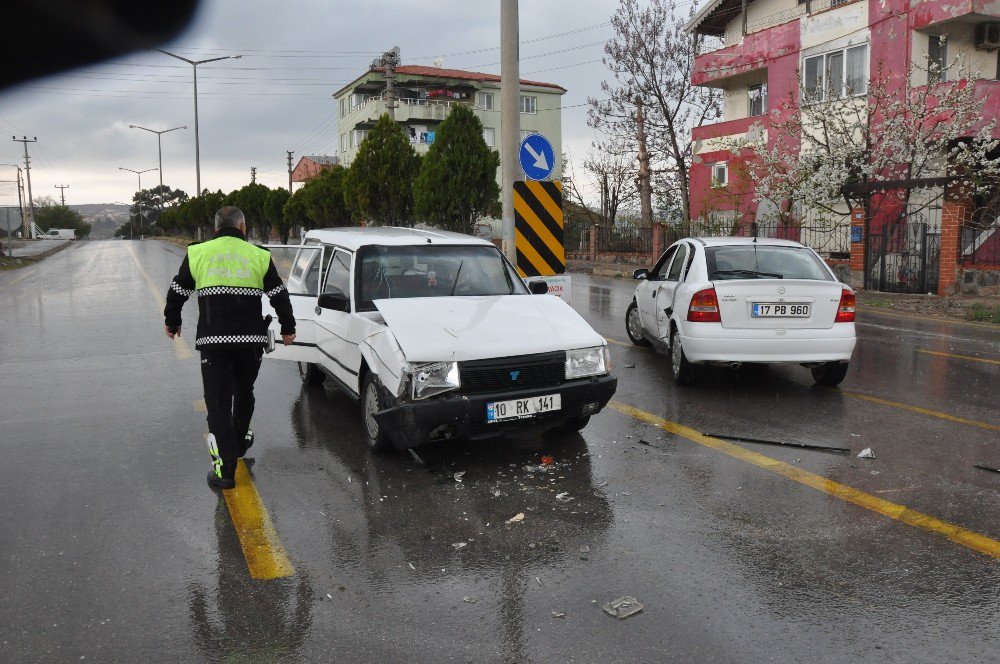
[680,368]
[572,425]
[633,325]
[830,374]
[311,374]
[374,399]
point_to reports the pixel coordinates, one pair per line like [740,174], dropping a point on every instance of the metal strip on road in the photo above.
[266,557]
[958,357]
[922,411]
[967,538]
[180,346]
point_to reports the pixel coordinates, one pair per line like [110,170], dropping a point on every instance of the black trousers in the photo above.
[228,375]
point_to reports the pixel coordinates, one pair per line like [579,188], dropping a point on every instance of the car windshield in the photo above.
[761,261]
[387,272]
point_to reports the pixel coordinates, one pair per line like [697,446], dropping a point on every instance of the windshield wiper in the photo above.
[458,273]
[753,273]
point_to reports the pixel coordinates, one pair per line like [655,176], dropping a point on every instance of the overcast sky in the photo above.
[277,97]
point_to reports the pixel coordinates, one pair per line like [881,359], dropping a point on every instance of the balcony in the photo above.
[930,14]
[753,53]
[421,110]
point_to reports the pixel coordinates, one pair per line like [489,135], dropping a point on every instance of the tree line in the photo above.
[452,187]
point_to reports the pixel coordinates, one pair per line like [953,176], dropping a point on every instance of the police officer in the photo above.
[229,276]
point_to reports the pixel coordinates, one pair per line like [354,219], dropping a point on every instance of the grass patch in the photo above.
[983,314]
[882,302]
[8,263]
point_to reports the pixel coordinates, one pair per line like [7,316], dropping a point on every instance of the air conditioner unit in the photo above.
[988,36]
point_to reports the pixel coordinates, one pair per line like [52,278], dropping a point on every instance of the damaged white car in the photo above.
[437,337]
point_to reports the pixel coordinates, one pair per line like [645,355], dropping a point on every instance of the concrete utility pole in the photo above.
[389,61]
[159,151]
[62,192]
[290,152]
[27,171]
[645,190]
[510,118]
[253,175]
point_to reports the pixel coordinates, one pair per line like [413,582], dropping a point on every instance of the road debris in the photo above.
[548,460]
[470,600]
[539,580]
[411,566]
[458,476]
[558,614]
[415,457]
[866,453]
[584,552]
[981,467]
[630,366]
[563,497]
[804,446]
[460,545]
[517,518]
[623,607]
[645,442]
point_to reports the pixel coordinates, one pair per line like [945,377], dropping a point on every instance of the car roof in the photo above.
[356,237]
[737,241]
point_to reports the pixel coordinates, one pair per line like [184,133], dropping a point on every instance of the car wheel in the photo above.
[830,374]
[572,425]
[682,370]
[311,374]
[633,325]
[373,399]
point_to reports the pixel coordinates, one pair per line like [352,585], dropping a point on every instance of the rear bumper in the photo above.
[835,344]
[464,415]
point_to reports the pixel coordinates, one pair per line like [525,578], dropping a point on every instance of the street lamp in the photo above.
[138,202]
[159,150]
[197,147]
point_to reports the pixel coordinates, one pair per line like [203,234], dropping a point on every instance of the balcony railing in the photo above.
[734,35]
[372,108]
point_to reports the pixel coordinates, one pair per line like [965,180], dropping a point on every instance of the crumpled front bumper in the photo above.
[464,415]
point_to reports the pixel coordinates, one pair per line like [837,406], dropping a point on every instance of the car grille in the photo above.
[513,373]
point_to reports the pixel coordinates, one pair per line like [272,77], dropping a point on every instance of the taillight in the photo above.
[704,307]
[848,303]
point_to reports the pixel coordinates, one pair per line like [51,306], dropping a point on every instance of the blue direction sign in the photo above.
[537,157]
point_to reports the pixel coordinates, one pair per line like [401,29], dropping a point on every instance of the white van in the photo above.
[58,234]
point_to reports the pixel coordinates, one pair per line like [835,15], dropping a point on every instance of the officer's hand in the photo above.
[288,339]
[176,331]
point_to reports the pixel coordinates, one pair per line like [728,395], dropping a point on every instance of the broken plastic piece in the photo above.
[866,453]
[458,476]
[460,545]
[558,614]
[415,457]
[548,460]
[630,366]
[563,497]
[623,607]
[470,600]
[517,518]
[584,552]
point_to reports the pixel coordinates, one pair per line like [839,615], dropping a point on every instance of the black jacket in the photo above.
[229,317]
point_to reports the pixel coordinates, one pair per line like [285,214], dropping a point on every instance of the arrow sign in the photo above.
[537,157]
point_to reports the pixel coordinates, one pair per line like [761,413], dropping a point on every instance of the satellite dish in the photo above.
[439,62]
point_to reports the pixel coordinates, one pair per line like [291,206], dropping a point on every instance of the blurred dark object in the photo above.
[50,36]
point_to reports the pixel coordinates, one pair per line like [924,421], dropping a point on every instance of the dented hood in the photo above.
[436,329]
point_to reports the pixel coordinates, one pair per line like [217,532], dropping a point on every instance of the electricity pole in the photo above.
[159,151]
[27,171]
[389,61]
[138,198]
[253,175]
[62,192]
[510,118]
[289,171]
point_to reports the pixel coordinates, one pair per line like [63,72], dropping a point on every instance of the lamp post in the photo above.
[197,147]
[159,150]
[138,201]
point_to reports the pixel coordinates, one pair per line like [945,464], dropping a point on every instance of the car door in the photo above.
[667,290]
[645,294]
[300,268]
[339,353]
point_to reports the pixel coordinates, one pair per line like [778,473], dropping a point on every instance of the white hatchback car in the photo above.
[437,336]
[733,300]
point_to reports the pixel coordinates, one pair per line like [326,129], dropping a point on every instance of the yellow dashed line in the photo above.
[180,346]
[901,513]
[265,556]
[958,357]
[922,411]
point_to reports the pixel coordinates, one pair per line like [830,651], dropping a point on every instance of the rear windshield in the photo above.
[433,271]
[752,261]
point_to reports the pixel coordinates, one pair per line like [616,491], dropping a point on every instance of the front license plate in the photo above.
[772,310]
[519,409]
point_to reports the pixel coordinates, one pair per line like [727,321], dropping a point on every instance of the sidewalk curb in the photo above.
[34,258]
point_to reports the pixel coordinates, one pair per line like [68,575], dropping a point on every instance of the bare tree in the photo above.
[651,59]
[610,169]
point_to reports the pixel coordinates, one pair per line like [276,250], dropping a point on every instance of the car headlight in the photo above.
[585,362]
[426,380]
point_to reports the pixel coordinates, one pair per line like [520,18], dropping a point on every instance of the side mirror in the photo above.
[641,274]
[538,287]
[335,301]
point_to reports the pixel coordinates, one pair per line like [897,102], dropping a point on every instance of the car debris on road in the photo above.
[623,607]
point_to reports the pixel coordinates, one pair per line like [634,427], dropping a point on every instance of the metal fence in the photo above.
[981,245]
[830,240]
[625,239]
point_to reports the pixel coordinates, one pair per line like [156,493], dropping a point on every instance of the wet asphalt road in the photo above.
[113,549]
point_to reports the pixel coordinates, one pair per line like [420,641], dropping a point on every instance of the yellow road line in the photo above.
[180,346]
[901,513]
[15,280]
[923,411]
[960,357]
[265,556]
[199,406]
[625,343]
[926,319]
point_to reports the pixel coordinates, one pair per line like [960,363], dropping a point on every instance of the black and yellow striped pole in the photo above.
[538,228]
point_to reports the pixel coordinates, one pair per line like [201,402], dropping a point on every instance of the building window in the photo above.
[836,74]
[490,136]
[486,101]
[937,59]
[343,142]
[529,104]
[758,99]
[719,174]
[343,107]
[358,135]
